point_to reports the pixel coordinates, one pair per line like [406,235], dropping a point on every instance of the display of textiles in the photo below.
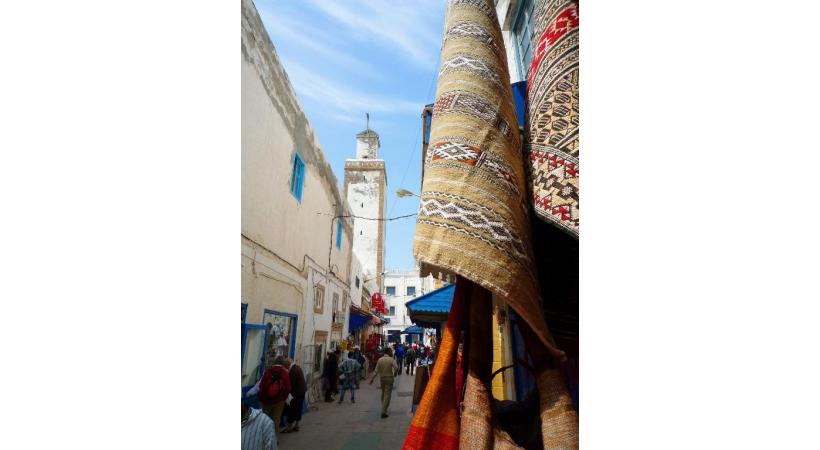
[473,217]
[553,99]
[474,224]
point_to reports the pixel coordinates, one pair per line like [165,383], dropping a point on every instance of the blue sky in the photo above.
[346,58]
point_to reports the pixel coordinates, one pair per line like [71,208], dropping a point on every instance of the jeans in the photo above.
[348,383]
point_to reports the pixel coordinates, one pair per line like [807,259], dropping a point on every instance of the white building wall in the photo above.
[401,280]
[288,246]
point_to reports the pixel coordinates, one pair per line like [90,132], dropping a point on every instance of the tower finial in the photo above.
[368,120]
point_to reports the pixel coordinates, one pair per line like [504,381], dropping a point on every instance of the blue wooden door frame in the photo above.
[245,328]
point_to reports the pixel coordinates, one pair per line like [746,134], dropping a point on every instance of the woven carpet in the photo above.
[552,97]
[473,215]
[473,222]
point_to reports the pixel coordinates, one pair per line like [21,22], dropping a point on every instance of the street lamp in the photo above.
[405,193]
[371,279]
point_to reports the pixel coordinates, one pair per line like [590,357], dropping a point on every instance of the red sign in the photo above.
[377,302]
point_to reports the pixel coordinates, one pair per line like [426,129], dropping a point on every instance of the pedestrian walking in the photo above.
[350,370]
[386,369]
[359,358]
[257,430]
[399,357]
[365,367]
[410,361]
[329,375]
[272,390]
[338,354]
[298,389]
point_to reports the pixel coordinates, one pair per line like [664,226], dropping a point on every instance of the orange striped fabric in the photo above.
[436,422]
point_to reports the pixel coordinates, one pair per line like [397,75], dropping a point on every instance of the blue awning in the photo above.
[438,301]
[414,330]
[358,319]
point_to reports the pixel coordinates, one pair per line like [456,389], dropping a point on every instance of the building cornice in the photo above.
[259,51]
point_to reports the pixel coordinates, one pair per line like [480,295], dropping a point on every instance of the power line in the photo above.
[370,218]
[406,170]
[415,145]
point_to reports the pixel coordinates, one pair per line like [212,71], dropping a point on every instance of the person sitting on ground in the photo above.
[257,430]
[350,369]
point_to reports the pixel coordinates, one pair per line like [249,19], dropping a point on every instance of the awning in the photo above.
[358,319]
[414,330]
[435,301]
[432,308]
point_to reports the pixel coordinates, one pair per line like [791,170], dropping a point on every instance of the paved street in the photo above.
[356,426]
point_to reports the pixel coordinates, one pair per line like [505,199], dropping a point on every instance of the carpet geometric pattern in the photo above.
[553,98]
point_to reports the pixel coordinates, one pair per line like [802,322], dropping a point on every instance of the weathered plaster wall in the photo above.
[274,127]
[269,283]
[287,246]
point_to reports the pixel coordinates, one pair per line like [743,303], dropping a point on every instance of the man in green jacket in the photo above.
[386,369]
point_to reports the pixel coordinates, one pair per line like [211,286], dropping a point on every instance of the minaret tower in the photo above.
[365,186]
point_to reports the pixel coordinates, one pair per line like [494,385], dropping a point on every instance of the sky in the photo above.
[345,59]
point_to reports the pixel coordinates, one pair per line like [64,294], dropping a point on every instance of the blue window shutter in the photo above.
[294,174]
[520,97]
[521,31]
[339,234]
[297,178]
[301,178]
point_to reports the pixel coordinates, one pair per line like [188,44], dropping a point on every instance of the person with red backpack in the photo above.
[273,389]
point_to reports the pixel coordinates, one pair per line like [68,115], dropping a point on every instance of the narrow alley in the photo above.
[356,426]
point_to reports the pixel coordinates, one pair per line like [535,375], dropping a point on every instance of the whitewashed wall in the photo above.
[401,280]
